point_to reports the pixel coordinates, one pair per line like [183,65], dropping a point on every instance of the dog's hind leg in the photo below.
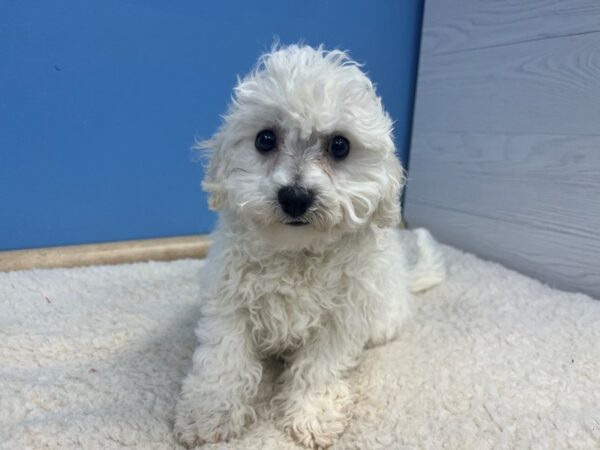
[429,268]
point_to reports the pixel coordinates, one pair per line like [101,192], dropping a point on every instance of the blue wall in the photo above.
[100,102]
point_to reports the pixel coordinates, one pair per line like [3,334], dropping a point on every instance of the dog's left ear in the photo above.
[387,213]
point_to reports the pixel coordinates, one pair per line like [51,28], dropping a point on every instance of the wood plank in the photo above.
[164,249]
[462,26]
[544,255]
[537,198]
[544,86]
[505,159]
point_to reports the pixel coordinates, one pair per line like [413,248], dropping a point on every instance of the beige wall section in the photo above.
[165,249]
[505,158]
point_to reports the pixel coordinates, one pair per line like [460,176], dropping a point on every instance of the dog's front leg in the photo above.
[313,403]
[215,403]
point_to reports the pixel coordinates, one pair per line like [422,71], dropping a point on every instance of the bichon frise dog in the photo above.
[307,264]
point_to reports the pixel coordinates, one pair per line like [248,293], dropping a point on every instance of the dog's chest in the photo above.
[289,301]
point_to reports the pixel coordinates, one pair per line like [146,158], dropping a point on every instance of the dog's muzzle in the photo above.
[295,201]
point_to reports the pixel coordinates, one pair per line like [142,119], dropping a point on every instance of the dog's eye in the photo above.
[339,147]
[265,141]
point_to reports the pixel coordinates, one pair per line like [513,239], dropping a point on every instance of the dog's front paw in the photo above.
[316,420]
[199,424]
[202,416]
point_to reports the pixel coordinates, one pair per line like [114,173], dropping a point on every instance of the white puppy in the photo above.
[307,265]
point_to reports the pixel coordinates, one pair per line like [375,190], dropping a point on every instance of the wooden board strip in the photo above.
[544,255]
[163,249]
[544,87]
[455,26]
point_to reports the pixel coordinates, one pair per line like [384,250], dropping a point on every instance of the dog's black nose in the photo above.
[295,200]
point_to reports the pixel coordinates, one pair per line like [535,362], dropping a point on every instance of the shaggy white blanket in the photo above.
[93,358]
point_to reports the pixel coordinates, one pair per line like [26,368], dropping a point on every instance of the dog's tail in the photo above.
[429,268]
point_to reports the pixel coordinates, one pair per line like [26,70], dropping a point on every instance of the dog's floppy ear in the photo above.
[387,213]
[214,179]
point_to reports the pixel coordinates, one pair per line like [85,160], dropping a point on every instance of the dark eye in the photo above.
[339,147]
[265,141]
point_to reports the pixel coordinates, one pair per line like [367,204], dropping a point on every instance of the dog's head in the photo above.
[306,150]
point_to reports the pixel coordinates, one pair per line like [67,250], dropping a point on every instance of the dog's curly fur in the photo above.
[314,295]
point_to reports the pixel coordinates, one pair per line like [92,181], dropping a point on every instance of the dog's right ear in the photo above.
[214,179]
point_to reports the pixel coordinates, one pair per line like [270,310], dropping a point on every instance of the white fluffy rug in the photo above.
[93,357]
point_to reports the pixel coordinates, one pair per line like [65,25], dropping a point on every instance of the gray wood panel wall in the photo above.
[505,157]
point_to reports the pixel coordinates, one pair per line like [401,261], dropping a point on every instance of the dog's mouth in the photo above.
[297,223]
